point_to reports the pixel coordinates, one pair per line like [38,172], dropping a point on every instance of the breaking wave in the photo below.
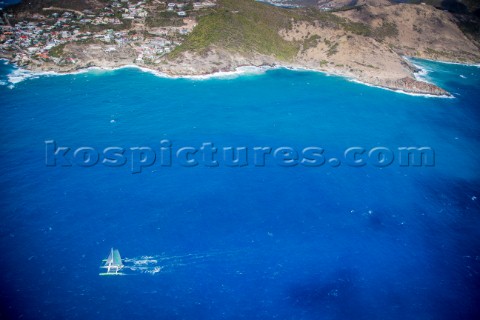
[18,74]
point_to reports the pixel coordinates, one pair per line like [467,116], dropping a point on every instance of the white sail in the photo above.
[113,263]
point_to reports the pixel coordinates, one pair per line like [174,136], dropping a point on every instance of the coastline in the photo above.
[411,60]
[20,74]
[345,49]
[243,70]
[424,95]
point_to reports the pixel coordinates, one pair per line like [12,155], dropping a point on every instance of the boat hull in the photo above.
[111,274]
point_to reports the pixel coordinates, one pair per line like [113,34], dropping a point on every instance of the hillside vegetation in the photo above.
[365,40]
[247,26]
[243,26]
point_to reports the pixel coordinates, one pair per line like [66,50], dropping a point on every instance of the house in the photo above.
[205,4]
[142,14]
[43,55]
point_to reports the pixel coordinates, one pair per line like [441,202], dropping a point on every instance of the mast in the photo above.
[114,262]
[110,260]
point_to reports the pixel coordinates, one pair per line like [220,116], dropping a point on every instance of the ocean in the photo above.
[250,242]
[6,3]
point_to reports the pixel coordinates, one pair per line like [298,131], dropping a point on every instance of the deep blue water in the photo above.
[269,242]
[5,3]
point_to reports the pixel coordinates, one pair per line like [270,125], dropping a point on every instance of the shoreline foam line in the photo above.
[21,74]
[424,95]
[477,65]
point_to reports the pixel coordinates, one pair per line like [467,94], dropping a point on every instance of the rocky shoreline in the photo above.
[366,44]
[405,85]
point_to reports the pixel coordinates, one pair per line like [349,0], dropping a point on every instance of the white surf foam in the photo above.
[19,75]
[424,95]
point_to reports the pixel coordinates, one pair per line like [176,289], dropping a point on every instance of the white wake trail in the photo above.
[157,263]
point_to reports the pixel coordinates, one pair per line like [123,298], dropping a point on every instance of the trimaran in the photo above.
[113,264]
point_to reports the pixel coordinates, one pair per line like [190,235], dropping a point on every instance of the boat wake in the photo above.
[164,263]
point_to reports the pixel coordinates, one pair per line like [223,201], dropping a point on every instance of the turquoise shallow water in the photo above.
[267,242]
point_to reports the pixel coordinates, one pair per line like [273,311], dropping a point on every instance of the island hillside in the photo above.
[366,40]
